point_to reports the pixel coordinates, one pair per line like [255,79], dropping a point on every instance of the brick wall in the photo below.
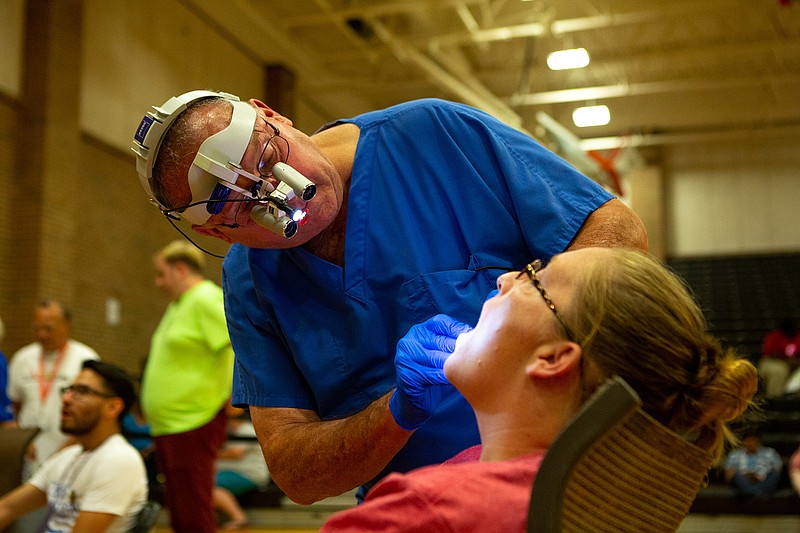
[119,232]
[110,236]
[75,223]
[7,216]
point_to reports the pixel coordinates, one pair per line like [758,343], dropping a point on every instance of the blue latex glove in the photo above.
[419,363]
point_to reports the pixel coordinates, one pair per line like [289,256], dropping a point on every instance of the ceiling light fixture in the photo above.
[566,59]
[593,115]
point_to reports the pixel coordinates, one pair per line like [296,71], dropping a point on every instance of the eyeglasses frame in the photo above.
[82,391]
[237,168]
[531,270]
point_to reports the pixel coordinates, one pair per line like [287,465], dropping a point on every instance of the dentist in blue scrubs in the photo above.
[418,209]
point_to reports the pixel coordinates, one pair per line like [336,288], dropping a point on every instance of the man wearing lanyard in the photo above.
[37,373]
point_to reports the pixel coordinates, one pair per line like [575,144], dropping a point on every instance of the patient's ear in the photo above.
[555,359]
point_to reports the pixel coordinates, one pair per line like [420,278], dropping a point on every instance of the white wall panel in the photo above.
[734,197]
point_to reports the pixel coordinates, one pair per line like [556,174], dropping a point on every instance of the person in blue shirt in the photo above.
[6,411]
[753,469]
[418,209]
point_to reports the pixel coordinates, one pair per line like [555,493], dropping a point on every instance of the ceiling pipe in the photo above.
[661,139]
[632,89]
[473,93]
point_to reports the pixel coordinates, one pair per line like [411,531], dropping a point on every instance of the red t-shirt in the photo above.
[460,495]
[777,344]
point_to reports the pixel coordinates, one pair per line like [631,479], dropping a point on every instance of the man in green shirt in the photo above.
[186,385]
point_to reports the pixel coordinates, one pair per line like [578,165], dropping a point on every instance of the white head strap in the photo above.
[217,160]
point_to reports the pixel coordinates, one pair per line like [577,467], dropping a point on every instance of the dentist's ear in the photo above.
[269,112]
[555,359]
[212,232]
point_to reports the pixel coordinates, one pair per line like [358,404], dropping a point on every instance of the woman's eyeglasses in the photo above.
[531,269]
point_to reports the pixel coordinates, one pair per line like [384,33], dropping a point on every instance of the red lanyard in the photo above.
[46,383]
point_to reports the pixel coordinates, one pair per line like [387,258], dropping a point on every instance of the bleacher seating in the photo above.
[744,297]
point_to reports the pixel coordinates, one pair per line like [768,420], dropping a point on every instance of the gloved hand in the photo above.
[419,363]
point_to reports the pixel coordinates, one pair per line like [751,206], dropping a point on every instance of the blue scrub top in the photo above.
[439,191]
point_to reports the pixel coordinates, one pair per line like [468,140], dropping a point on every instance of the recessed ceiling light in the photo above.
[566,59]
[594,115]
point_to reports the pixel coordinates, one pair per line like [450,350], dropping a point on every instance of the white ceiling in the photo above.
[671,71]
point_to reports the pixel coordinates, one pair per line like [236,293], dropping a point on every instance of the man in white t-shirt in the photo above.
[38,371]
[98,484]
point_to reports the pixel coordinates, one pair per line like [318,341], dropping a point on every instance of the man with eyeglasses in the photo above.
[415,206]
[38,371]
[99,483]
